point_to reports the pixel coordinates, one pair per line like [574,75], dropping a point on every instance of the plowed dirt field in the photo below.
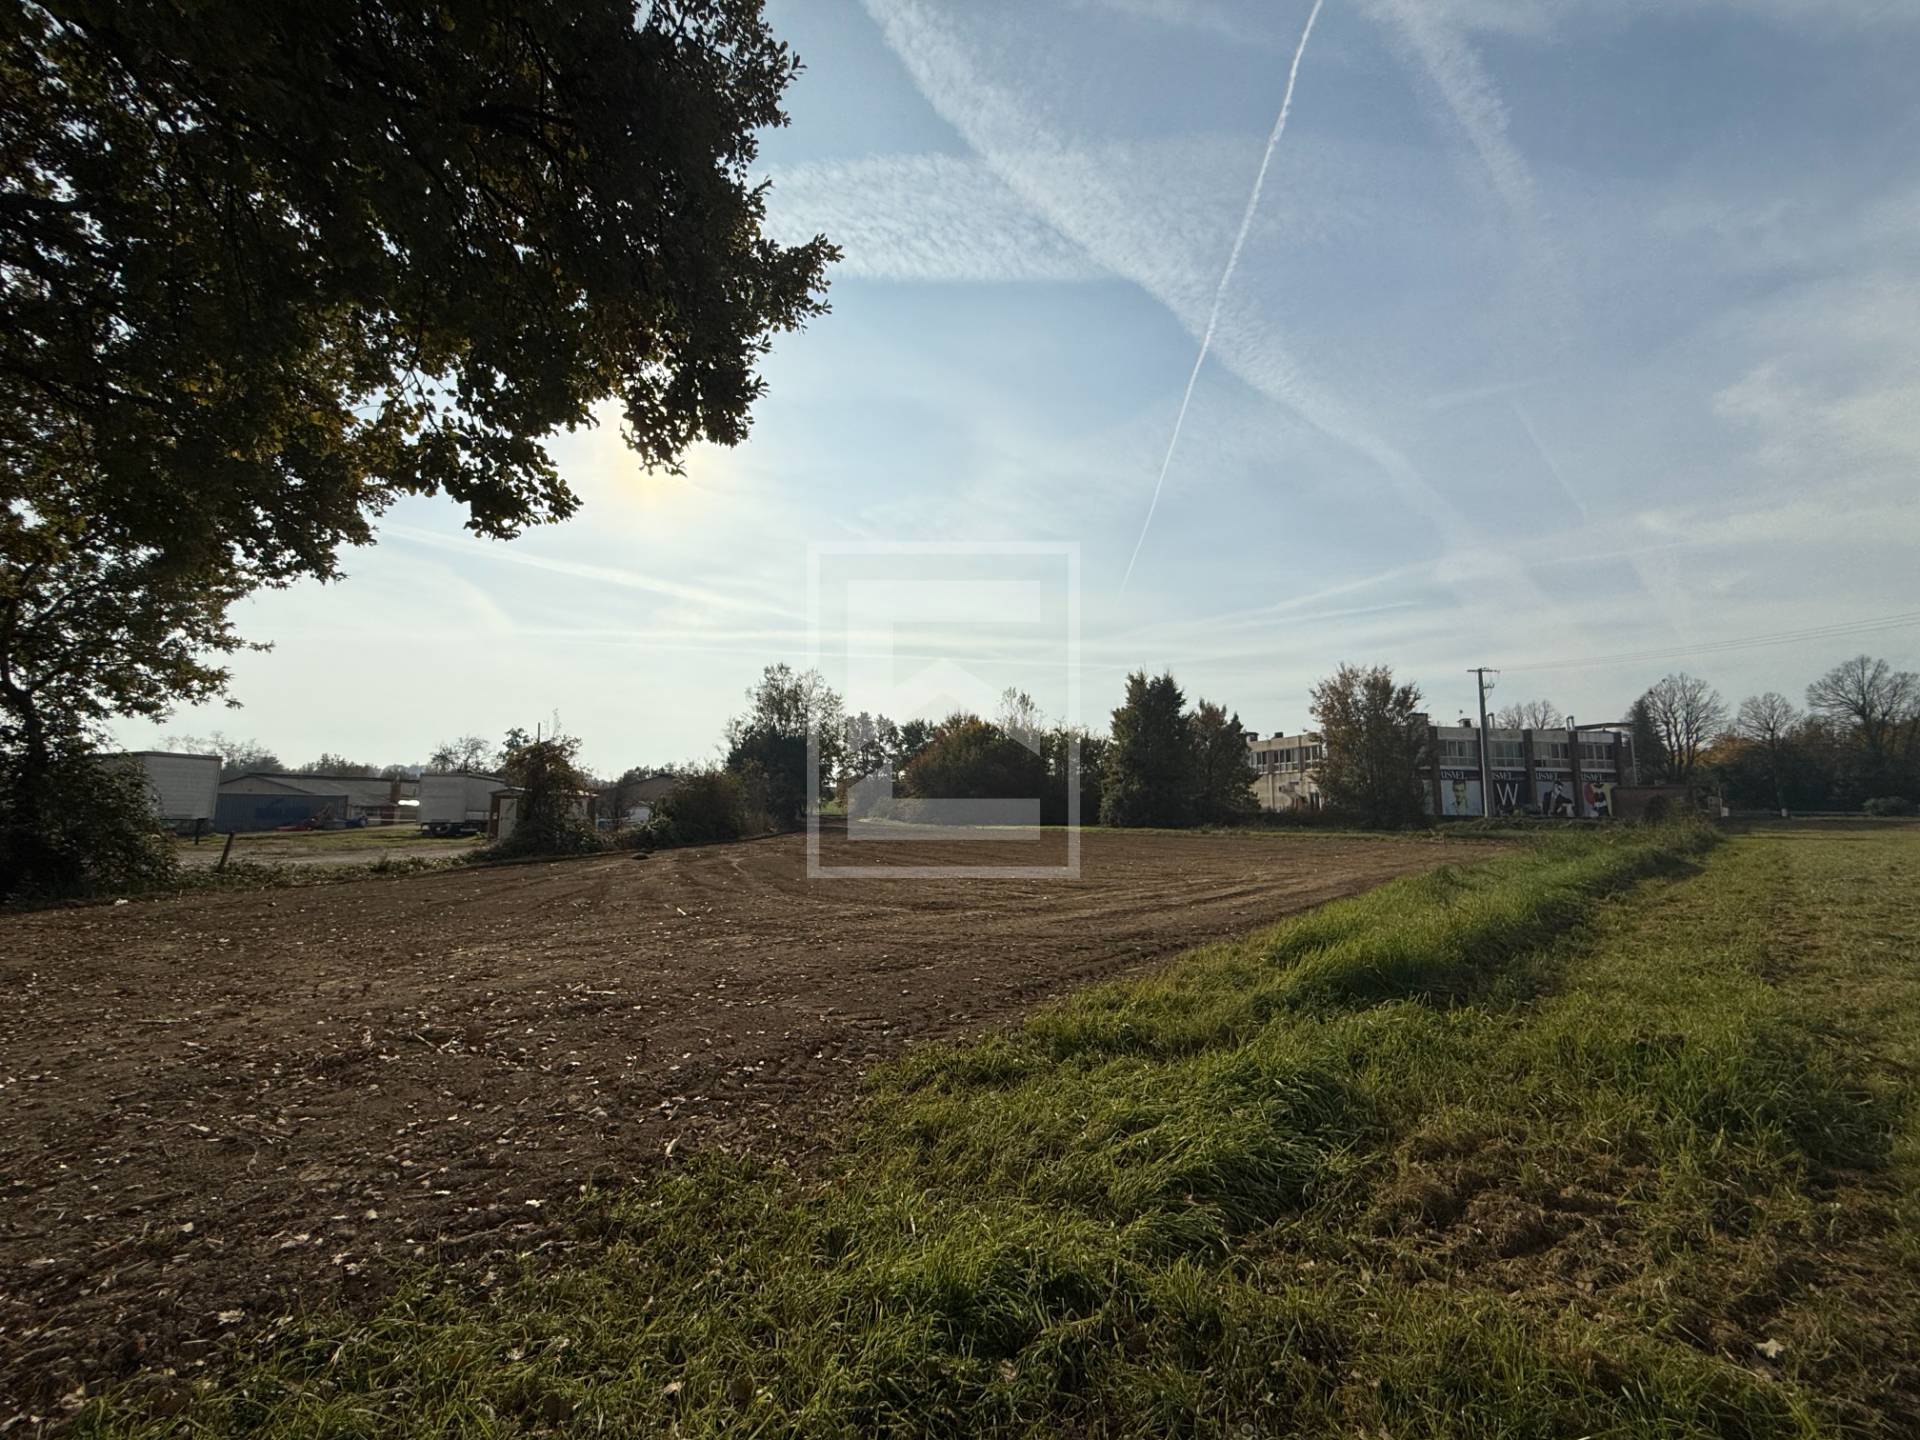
[220,1109]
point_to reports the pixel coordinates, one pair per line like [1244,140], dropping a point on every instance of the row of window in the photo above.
[1289,758]
[1514,751]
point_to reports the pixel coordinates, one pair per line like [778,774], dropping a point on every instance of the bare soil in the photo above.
[324,847]
[219,1110]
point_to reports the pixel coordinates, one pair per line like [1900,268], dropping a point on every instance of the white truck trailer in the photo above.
[456,804]
[185,788]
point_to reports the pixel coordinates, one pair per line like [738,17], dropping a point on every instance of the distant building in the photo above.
[369,799]
[1284,770]
[1540,772]
[650,791]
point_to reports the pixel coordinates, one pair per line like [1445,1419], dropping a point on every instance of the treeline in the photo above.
[1854,745]
[1163,764]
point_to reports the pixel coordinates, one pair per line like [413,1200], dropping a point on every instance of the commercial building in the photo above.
[353,799]
[1540,772]
[1284,771]
[1532,772]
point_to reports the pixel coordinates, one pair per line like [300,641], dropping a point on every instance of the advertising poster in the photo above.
[1556,794]
[1509,791]
[1460,792]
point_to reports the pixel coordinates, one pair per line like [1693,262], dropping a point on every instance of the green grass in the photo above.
[1546,1146]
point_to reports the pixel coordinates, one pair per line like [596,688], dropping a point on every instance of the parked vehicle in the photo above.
[456,804]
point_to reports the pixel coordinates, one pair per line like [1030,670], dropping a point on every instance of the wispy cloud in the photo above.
[1536,19]
[1087,201]
[1461,80]
[517,555]
[922,217]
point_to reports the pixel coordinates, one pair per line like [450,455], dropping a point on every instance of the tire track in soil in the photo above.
[218,1110]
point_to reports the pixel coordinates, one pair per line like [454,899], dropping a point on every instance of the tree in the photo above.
[548,818]
[1768,722]
[707,806]
[869,748]
[1222,774]
[1019,716]
[1686,713]
[469,754]
[1649,750]
[914,736]
[237,757]
[89,631]
[791,734]
[972,759]
[1873,698]
[1375,736]
[1530,715]
[264,270]
[1149,761]
[89,830]
[327,763]
[1074,759]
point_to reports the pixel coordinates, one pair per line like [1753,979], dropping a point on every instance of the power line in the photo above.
[1716,647]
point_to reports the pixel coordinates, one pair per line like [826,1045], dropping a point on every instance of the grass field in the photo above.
[1612,1137]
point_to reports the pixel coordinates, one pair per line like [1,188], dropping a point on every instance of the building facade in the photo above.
[1568,773]
[1285,769]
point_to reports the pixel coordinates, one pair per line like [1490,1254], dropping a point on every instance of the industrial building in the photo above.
[1541,772]
[265,800]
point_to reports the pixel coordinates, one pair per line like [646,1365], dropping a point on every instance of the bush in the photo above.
[82,828]
[550,819]
[704,808]
[1889,805]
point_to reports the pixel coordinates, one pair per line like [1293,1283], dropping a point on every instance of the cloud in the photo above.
[517,554]
[1835,394]
[922,217]
[1544,19]
[1206,16]
[1439,46]
[1096,204]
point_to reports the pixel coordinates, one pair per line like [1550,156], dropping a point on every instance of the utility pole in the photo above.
[1486,776]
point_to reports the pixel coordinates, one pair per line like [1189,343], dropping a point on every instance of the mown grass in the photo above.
[1612,1137]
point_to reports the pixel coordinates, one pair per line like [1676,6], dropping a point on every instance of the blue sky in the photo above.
[1561,331]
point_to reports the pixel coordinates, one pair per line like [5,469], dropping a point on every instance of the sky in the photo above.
[1578,338]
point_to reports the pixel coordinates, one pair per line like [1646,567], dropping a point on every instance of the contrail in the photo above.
[1226,277]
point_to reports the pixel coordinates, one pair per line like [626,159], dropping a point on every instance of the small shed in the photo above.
[503,810]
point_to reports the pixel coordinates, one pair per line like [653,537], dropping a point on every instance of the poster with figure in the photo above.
[1556,795]
[1459,792]
[1599,799]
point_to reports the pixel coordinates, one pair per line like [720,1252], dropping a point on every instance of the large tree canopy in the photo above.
[266,267]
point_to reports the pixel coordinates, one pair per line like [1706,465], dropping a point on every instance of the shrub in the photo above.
[82,827]
[551,819]
[1889,805]
[704,808]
